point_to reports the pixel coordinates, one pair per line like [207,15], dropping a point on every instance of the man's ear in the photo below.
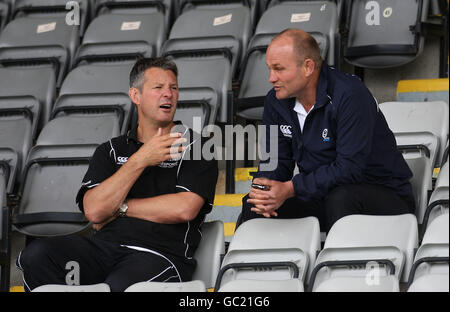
[309,66]
[135,95]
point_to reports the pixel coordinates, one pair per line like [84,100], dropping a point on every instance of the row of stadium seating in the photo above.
[361,253]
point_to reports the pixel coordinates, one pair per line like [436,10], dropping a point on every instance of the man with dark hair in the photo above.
[145,198]
[330,126]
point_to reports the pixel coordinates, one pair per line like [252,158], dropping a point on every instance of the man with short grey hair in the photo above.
[145,199]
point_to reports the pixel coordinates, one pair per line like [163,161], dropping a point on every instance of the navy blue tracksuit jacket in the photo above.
[345,140]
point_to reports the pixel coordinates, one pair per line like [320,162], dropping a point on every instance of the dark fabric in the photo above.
[345,140]
[50,261]
[342,201]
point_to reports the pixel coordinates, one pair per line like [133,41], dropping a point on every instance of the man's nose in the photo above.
[272,77]
[168,93]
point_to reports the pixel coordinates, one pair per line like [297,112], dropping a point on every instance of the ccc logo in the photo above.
[285,129]
[122,159]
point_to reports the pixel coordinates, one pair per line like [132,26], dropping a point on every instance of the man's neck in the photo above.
[307,97]
[146,131]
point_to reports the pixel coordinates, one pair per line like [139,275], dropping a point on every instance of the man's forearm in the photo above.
[167,209]
[101,202]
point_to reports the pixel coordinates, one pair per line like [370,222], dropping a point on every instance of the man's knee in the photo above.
[35,254]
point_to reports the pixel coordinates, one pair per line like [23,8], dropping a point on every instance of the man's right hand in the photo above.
[159,148]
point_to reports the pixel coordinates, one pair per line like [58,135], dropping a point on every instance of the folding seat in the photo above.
[430,271]
[4,14]
[439,199]
[122,34]
[319,18]
[5,245]
[366,253]
[258,286]
[97,88]
[271,249]
[421,130]
[211,41]
[73,15]
[51,178]
[383,34]
[35,40]
[102,287]
[166,7]
[192,286]
[256,6]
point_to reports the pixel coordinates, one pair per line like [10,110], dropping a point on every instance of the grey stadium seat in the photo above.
[5,245]
[192,286]
[258,286]
[439,200]
[123,34]
[384,34]
[366,253]
[4,14]
[421,130]
[319,18]
[430,271]
[102,287]
[55,8]
[51,178]
[269,249]
[97,88]
[31,40]
[213,41]
[166,7]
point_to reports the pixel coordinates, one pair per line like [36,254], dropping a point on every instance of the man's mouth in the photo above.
[166,106]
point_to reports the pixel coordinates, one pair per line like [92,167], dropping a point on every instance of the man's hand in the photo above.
[266,202]
[159,148]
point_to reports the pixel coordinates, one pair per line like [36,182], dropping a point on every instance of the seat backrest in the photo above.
[380,32]
[31,87]
[52,177]
[366,231]
[192,286]
[438,231]
[123,34]
[276,238]
[9,166]
[78,14]
[33,39]
[407,117]
[319,17]
[97,87]
[102,287]
[208,253]
[258,286]
[439,199]
[212,30]
[138,7]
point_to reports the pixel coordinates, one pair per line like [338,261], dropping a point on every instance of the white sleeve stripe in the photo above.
[184,188]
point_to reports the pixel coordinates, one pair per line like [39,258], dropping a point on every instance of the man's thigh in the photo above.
[65,260]
[141,266]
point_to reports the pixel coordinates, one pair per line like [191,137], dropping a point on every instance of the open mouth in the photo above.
[165,106]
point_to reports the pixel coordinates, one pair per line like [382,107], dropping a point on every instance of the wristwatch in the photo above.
[123,209]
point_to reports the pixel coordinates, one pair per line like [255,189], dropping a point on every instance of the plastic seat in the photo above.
[39,40]
[95,89]
[102,287]
[55,8]
[5,248]
[319,18]
[4,14]
[51,178]
[193,286]
[166,7]
[384,34]
[271,249]
[258,286]
[439,200]
[121,34]
[369,253]
[431,264]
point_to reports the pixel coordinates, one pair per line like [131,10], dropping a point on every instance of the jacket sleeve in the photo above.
[355,122]
[278,148]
